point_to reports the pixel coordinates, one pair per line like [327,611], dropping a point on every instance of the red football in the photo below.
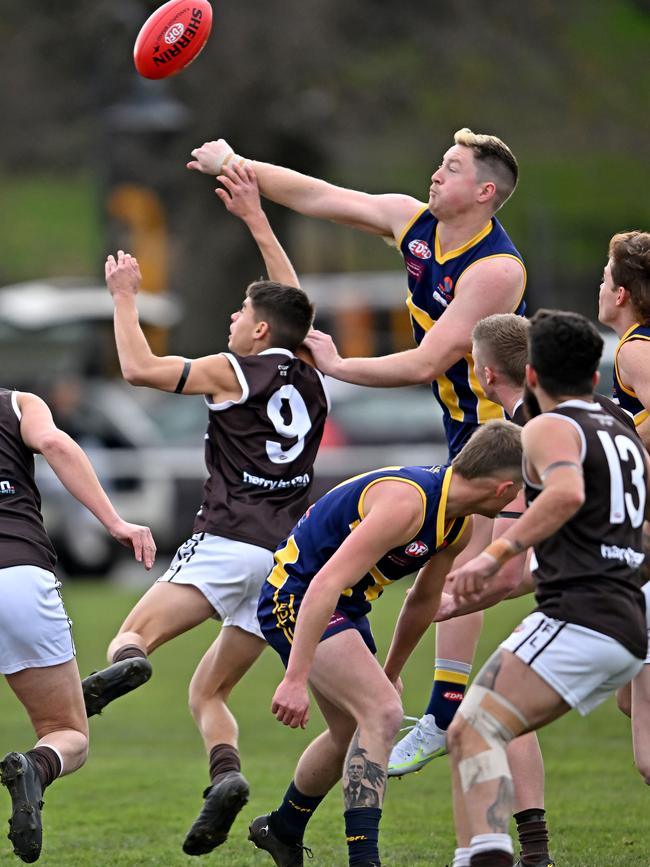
[172,37]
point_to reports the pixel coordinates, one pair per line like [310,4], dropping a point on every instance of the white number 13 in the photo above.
[617,449]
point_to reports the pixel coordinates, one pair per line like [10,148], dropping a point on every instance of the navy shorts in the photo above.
[457,432]
[277,612]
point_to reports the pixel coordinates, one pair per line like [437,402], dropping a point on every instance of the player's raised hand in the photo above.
[122,274]
[138,538]
[290,704]
[323,350]
[241,195]
[211,156]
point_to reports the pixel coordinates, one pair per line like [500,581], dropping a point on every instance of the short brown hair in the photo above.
[504,339]
[494,162]
[630,255]
[287,309]
[494,449]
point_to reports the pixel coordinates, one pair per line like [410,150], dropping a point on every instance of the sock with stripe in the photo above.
[362,835]
[450,680]
[533,835]
[290,819]
[129,651]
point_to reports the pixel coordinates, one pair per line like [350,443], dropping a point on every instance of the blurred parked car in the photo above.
[147,446]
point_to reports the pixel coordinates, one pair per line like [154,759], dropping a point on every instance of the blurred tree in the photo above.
[367,94]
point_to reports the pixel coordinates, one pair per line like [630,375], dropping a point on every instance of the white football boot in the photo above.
[423,742]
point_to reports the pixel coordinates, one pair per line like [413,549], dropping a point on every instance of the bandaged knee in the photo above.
[498,722]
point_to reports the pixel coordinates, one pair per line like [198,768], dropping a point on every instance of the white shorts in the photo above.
[646,591]
[230,575]
[35,630]
[583,666]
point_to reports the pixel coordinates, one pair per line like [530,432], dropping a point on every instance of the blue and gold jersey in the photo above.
[624,396]
[325,526]
[432,281]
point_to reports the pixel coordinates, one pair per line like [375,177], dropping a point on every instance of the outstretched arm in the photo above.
[491,286]
[74,470]
[552,448]
[241,197]
[380,215]
[211,374]
[419,608]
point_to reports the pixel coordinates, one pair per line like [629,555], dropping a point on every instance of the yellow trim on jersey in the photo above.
[625,339]
[284,614]
[288,554]
[460,532]
[360,476]
[394,479]
[499,256]
[448,396]
[374,591]
[486,409]
[413,220]
[640,417]
[418,314]
[441,529]
[440,259]
[451,676]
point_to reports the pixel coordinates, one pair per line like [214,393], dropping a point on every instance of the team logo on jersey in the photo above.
[420,249]
[416,549]
[6,487]
[445,292]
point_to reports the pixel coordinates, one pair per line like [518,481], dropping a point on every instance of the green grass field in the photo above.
[141,788]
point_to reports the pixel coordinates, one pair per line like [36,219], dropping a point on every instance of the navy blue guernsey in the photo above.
[624,396]
[432,280]
[325,526]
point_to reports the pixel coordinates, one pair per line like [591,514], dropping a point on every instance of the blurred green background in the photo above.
[366,94]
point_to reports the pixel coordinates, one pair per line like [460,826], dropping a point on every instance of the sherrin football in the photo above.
[172,37]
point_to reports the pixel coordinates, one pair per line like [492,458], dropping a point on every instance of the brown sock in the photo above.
[495,858]
[223,759]
[533,835]
[129,651]
[47,762]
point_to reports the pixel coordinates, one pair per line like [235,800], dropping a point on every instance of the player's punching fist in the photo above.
[212,156]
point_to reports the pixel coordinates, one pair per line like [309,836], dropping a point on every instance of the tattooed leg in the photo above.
[364,780]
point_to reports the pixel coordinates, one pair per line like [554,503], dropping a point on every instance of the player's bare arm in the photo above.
[553,454]
[420,606]
[241,197]
[490,286]
[71,465]
[210,374]
[634,368]
[377,214]
[394,514]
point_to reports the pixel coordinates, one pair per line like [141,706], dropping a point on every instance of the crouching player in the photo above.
[362,535]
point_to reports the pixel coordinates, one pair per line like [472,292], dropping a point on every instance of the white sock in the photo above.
[489,842]
[461,857]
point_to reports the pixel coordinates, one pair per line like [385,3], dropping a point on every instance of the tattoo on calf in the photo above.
[487,676]
[499,813]
[364,781]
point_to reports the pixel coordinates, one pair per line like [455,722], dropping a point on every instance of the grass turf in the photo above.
[141,789]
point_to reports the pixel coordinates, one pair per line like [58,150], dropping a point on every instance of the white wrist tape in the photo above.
[225,155]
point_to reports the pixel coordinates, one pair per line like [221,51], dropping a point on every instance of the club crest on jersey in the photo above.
[420,249]
[6,487]
[416,549]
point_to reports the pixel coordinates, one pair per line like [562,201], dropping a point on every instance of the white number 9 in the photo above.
[298,426]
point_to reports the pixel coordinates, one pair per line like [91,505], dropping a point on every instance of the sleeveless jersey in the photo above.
[587,572]
[625,396]
[23,539]
[260,450]
[326,525]
[432,280]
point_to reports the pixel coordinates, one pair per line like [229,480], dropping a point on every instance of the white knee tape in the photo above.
[491,763]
